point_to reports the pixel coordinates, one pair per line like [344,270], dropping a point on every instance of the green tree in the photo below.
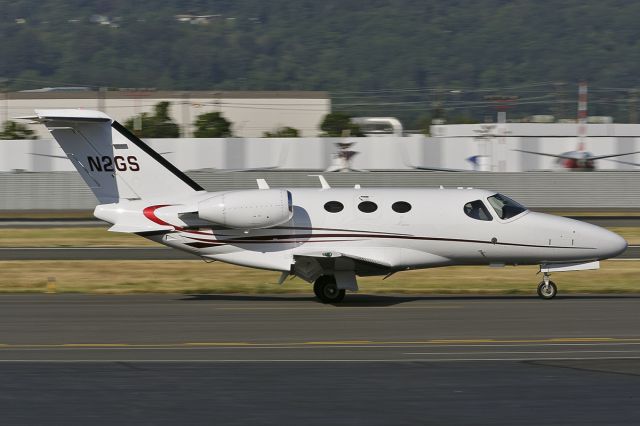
[159,125]
[13,130]
[282,132]
[336,124]
[423,124]
[212,125]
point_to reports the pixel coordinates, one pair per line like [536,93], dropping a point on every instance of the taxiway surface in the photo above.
[232,359]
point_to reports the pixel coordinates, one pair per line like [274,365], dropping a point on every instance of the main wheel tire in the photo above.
[318,286]
[327,290]
[547,291]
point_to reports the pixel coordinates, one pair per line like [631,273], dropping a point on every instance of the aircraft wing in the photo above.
[363,261]
[407,162]
[600,157]
[331,258]
[437,169]
[547,154]
[344,266]
[624,162]
[357,257]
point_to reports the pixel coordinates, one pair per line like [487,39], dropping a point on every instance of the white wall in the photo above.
[314,153]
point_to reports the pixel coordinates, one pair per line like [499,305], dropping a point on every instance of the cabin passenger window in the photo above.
[367,207]
[401,207]
[333,206]
[477,210]
[505,207]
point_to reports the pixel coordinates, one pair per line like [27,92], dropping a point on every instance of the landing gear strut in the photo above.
[327,290]
[547,289]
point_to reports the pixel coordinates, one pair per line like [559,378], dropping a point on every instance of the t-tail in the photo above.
[113,162]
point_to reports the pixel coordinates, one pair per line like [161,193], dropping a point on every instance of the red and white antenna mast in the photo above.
[582,115]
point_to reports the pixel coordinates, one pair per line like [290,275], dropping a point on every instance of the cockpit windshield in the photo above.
[505,207]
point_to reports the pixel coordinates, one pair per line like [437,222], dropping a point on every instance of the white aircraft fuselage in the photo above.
[434,232]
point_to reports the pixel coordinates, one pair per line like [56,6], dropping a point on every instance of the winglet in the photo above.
[262,184]
[323,181]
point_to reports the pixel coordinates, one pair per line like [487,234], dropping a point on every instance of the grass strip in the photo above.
[69,237]
[194,276]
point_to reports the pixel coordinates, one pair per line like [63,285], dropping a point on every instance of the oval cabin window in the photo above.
[401,207]
[367,207]
[333,206]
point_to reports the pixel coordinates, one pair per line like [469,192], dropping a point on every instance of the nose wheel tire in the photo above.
[547,290]
[327,291]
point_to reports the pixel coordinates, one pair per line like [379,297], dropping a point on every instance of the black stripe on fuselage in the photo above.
[307,228]
[279,238]
[159,158]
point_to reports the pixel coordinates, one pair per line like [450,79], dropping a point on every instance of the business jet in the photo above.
[326,236]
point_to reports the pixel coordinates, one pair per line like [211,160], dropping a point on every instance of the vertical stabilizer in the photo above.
[113,162]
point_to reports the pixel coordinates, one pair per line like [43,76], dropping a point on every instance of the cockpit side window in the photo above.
[477,210]
[505,207]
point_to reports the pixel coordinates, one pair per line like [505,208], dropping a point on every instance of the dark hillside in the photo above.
[375,48]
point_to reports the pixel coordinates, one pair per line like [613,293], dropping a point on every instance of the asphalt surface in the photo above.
[136,253]
[374,360]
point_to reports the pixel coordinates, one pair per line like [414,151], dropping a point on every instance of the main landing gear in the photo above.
[547,289]
[327,290]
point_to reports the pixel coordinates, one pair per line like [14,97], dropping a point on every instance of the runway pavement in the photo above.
[136,253]
[375,360]
[239,327]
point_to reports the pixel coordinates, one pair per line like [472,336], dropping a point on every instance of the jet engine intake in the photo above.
[249,209]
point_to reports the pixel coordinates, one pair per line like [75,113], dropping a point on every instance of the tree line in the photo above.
[394,58]
[207,125]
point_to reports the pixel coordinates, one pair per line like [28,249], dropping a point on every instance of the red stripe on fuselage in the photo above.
[150,213]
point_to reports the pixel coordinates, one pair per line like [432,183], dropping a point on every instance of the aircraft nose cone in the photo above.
[609,244]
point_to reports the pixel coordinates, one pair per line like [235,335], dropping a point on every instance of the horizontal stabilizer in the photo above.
[134,229]
[70,115]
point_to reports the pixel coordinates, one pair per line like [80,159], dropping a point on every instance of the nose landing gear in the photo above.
[547,289]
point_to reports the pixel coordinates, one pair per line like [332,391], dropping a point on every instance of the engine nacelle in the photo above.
[250,209]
